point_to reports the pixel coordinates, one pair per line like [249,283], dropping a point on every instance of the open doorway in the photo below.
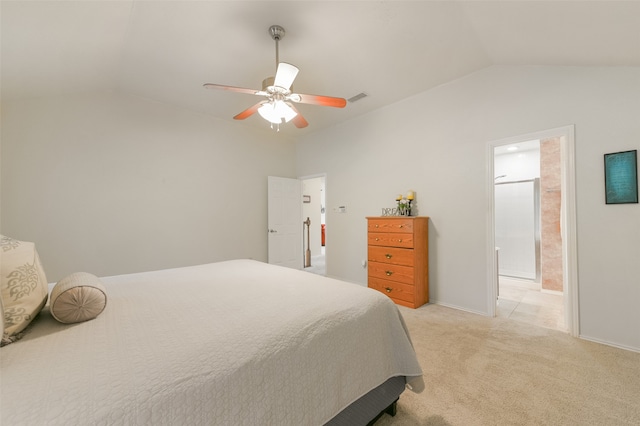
[527,212]
[532,223]
[313,213]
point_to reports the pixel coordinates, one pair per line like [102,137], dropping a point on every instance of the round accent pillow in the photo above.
[78,297]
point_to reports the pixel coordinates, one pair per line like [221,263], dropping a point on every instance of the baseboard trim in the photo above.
[460,308]
[605,342]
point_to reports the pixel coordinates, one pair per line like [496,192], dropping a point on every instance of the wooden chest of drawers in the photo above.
[398,258]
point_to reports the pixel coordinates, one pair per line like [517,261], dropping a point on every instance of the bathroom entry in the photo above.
[528,240]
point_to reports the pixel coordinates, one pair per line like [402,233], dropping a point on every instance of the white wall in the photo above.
[113,184]
[435,143]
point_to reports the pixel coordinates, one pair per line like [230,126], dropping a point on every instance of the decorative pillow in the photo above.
[23,286]
[78,297]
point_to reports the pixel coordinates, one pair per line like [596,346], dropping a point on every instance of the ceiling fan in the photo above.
[277,107]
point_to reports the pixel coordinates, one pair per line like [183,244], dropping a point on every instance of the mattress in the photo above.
[238,342]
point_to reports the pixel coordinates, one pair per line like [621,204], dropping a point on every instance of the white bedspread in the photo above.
[230,343]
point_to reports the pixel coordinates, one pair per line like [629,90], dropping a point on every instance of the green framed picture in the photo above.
[621,177]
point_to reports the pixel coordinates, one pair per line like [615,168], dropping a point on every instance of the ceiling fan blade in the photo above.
[248,112]
[319,100]
[285,75]
[298,121]
[232,89]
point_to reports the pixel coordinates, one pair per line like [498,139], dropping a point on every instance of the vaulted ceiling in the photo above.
[390,50]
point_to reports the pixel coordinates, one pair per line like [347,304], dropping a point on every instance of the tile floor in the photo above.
[523,300]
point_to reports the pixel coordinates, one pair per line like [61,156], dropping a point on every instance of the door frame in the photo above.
[567,220]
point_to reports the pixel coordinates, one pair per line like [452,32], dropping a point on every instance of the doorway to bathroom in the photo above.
[533,222]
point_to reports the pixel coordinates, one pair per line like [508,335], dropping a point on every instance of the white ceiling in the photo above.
[166,50]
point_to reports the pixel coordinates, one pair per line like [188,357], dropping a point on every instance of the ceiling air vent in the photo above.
[357,97]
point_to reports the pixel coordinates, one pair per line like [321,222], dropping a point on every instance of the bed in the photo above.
[231,343]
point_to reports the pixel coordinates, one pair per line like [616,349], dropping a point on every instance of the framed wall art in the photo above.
[621,177]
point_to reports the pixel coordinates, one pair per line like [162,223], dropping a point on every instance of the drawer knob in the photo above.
[388,273]
[400,240]
[401,226]
[388,289]
[376,225]
[388,256]
[377,239]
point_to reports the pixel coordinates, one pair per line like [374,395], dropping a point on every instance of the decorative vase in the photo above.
[404,211]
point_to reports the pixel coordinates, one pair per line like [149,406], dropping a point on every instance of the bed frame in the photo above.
[366,409]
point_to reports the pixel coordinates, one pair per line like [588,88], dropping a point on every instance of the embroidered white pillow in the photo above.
[78,297]
[23,286]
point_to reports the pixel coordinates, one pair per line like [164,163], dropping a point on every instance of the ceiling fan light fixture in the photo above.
[287,111]
[276,111]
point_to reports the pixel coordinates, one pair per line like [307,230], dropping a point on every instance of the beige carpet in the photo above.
[495,371]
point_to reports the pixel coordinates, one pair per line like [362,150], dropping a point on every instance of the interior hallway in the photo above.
[318,265]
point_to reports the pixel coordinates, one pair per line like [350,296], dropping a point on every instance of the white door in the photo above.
[285,222]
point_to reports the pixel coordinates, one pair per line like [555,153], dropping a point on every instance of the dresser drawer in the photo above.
[390,239]
[392,255]
[403,274]
[391,225]
[396,291]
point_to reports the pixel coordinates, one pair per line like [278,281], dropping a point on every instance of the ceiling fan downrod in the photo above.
[277,33]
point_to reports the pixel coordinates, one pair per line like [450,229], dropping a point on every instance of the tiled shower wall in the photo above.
[550,196]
